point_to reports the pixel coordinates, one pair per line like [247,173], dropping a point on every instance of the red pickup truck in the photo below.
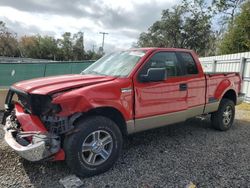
[83,118]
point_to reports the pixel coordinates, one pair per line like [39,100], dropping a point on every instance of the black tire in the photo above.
[75,157]
[218,120]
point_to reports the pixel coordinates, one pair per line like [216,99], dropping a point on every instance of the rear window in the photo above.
[188,62]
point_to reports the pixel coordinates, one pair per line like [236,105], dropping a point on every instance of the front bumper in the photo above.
[240,98]
[26,134]
[31,152]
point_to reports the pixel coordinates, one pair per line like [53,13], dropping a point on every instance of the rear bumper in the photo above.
[240,98]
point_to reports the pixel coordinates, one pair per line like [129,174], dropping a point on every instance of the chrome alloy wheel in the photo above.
[97,147]
[227,115]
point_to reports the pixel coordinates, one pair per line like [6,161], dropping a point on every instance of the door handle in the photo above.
[183,87]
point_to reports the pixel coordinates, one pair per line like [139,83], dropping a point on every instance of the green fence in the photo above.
[14,72]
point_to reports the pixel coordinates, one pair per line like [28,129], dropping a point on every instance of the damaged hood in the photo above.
[53,84]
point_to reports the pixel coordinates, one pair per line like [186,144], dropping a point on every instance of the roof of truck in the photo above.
[156,48]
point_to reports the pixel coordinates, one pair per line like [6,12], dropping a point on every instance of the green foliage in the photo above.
[227,7]
[78,46]
[38,47]
[29,46]
[187,25]
[65,47]
[69,47]
[47,47]
[237,38]
[8,42]
[91,55]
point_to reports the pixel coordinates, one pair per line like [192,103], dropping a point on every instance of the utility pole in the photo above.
[83,53]
[83,41]
[93,48]
[103,36]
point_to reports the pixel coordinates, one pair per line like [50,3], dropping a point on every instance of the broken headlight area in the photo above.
[40,105]
[32,103]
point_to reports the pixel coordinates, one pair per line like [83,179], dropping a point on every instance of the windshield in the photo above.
[115,64]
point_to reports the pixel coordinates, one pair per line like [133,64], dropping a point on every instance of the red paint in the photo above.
[219,84]
[54,84]
[59,156]
[81,93]
[29,122]
[163,97]
[106,94]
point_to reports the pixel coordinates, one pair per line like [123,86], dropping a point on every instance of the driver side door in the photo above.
[162,102]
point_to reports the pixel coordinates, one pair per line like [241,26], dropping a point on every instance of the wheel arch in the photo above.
[226,89]
[109,112]
[231,95]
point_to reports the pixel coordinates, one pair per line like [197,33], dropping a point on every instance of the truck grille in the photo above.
[56,125]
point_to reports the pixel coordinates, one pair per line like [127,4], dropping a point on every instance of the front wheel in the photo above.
[95,146]
[223,118]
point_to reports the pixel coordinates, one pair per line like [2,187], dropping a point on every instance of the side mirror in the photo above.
[154,75]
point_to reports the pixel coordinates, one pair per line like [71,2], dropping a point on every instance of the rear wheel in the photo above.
[224,117]
[95,147]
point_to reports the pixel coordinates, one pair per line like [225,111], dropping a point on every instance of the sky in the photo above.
[124,20]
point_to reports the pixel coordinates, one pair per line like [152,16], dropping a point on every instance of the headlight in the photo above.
[41,105]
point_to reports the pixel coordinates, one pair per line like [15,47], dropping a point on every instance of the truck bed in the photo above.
[219,81]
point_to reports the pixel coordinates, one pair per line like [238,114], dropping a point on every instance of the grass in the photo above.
[244,106]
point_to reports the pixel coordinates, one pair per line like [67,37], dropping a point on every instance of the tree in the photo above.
[228,8]
[197,28]
[29,46]
[187,25]
[237,38]
[66,46]
[69,47]
[42,47]
[92,55]
[78,46]
[8,42]
[47,47]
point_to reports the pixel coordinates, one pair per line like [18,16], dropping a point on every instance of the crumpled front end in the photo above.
[27,135]
[31,145]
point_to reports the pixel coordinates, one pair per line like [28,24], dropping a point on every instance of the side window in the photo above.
[188,62]
[167,60]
